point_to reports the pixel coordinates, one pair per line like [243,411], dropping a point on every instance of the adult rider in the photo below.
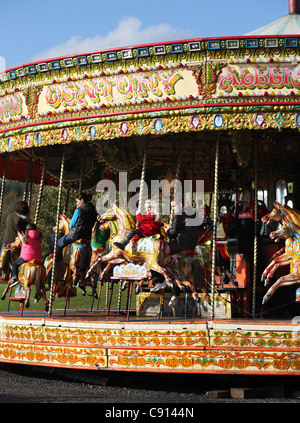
[82,224]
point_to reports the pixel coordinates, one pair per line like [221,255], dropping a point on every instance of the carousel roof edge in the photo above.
[122,52]
[103,51]
[186,85]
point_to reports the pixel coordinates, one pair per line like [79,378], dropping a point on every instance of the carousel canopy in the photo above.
[288,24]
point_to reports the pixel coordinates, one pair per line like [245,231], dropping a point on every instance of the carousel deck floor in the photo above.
[100,315]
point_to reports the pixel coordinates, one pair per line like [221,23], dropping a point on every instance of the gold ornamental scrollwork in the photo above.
[206,75]
[176,121]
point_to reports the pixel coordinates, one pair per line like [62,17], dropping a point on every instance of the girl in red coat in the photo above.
[150,225]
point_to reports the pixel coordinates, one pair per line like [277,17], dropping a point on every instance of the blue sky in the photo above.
[37,30]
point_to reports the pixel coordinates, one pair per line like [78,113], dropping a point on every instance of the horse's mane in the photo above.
[64,221]
[125,214]
[292,214]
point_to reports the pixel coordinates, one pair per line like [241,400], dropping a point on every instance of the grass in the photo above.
[77,302]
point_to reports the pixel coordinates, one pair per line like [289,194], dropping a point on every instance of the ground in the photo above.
[27,384]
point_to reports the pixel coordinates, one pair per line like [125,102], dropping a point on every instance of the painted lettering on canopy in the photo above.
[10,106]
[261,77]
[134,86]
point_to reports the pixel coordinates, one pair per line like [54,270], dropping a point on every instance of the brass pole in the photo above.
[39,200]
[256,226]
[142,188]
[56,230]
[177,174]
[215,217]
[29,197]
[25,195]
[3,186]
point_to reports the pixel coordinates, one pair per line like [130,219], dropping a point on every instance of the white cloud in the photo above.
[128,32]
[2,64]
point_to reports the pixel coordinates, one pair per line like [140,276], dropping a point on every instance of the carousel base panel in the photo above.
[93,340]
[150,304]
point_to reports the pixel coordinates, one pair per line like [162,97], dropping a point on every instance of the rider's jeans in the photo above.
[61,244]
[15,267]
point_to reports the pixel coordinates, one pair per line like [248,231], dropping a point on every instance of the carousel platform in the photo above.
[84,339]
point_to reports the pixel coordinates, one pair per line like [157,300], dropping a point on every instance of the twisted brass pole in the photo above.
[256,223]
[178,169]
[143,176]
[25,195]
[215,217]
[177,174]
[56,230]
[39,200]
[3,186]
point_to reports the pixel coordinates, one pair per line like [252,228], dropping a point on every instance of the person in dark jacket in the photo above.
[16,221]
[81,226]
[181,233]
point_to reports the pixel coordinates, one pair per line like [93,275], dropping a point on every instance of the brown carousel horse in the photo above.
[152,251]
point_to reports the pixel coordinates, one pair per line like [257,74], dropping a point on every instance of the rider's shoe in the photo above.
[172,301]
[14,283]
[158,286]
[266,298]
[120,245]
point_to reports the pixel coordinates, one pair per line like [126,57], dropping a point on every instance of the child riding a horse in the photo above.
[31,250]
[150,225]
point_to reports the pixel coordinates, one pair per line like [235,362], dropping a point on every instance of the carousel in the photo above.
[221,113]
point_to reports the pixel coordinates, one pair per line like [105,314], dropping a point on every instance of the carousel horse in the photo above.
[75,257]
[153,251]
[289,255]
[31,273]
[203,251]
[143,250]
[283,256]
[279,212]
[14,248]
[101,250]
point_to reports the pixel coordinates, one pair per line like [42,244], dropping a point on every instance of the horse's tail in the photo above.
[197,273]
[39,279]
[84,256]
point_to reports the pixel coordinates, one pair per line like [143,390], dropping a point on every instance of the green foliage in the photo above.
[13,192]
[77,302]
